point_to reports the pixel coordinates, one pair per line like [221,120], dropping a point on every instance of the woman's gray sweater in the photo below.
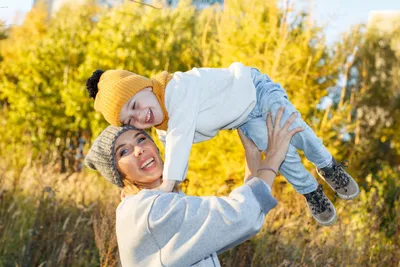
[170,229]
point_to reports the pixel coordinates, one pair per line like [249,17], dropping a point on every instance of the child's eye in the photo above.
[134,105]
[141,139]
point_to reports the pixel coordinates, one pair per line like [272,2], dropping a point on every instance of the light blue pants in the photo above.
[271,96]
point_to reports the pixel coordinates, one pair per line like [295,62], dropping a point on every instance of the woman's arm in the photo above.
[188,229]
[252,156]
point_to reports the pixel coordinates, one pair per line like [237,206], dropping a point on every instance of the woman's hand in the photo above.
[278,144]
[166,186]
[253,156]
[278,139]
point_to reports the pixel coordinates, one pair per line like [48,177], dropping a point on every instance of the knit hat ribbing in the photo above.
[101,155]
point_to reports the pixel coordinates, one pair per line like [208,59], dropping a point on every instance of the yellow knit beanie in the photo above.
[116,87]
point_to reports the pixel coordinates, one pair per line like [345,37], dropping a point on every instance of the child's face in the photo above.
[142,111]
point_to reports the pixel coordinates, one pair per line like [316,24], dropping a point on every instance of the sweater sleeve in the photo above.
[188,229]
[183,114]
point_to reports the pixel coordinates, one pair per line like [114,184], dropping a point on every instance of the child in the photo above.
[191,107]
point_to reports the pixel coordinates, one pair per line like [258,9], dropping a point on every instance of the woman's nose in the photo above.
[138,151]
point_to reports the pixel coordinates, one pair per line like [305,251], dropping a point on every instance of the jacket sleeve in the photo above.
[180,134]
[188,229]
[161,136]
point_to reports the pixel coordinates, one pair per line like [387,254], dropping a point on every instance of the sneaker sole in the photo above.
[345,197]
[328,223]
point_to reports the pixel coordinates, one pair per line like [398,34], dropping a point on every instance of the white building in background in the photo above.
[385,20]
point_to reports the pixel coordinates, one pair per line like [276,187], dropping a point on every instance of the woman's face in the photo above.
[138,159]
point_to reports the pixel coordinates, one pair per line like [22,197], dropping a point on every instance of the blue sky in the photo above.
[339,15]
[336,15]
[10,8]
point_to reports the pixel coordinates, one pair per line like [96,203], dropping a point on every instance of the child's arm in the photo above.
[183,110]
[167,185]
[161,136]
[177,152]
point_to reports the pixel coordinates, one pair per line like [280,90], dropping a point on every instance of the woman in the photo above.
[171,229]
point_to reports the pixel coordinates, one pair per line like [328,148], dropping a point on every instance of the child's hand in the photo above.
[167,186]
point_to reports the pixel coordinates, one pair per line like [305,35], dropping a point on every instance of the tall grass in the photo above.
[47,219]
[53,219]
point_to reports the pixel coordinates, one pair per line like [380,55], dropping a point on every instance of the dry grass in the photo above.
[50,219]
[47,219]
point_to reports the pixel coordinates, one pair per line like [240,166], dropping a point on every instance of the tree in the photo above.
[39,78]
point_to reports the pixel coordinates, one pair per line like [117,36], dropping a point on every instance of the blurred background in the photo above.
[338,61]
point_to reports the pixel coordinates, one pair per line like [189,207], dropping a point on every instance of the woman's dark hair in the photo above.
[91,83]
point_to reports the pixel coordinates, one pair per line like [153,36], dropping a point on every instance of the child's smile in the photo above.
[150,116]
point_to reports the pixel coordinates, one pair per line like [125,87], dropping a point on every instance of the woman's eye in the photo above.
[123,152]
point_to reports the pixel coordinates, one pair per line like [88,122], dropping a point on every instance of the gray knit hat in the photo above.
[101,155]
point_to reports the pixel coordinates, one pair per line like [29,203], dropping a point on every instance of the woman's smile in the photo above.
[148,164]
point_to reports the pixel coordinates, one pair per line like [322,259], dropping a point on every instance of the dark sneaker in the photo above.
[321,207]
[339,180]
